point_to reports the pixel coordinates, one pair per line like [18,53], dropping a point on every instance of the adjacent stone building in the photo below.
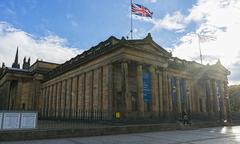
[118,78]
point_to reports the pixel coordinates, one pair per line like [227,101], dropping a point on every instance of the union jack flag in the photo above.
[141,10]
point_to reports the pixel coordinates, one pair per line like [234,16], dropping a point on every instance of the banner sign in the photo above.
[28,120]
[1,117]
[183,96]
[147,87]
[174,93]
[11,120]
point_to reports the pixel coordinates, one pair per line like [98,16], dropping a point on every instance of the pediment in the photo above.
[148,47]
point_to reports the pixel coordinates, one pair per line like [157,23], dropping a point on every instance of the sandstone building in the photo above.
[131,78]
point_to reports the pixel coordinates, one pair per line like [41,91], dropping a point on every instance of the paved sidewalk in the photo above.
[219,135]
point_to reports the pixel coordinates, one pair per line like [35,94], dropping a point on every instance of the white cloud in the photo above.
[175,21]
[51,48]
[221,19]
[170,22]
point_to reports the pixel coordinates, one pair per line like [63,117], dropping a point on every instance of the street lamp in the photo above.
[174,89]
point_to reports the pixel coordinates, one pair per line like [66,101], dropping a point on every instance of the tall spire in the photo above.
[16,64]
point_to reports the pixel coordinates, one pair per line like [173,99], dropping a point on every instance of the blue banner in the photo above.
[183,96]
[147,87]
[173,93]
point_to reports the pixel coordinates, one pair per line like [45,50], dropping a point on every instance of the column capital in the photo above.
[139,63]
[125,61]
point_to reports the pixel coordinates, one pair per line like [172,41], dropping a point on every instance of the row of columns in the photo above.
[161,92]
[85,95]
[216,101]
[176,90]
[159,89]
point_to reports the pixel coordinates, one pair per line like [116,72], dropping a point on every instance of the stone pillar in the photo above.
[165,92]
[155,105]
[95,90]
[169,101]
[110,91]
[43,107]
[100,88]
[54,100]
[107,90]
[196,98]
[63,98]
[74,96]
[125,89]
[179,110]
[215,107]
[68,98]
[50,101]
[59,92]
[40,102]
[210,97]
[223,100]
[160,92]
[81,94]
[193,97]
[227,103]
[188,94]
[140,89]
[88,93]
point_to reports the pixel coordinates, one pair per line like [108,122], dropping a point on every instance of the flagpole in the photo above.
[131,31]
[199,47]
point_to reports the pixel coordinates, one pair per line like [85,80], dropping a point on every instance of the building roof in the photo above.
[102,48]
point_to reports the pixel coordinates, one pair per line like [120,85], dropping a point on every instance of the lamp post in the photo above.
[174,106]
[188,95]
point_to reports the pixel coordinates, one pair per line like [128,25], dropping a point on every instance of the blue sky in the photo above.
[85,23]
[57,30]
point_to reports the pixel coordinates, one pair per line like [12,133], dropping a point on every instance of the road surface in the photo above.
[219,135]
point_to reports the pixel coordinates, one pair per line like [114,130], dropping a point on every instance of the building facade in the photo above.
[118,78]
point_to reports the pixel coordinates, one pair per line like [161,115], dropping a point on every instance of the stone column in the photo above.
[74,96]
[58,107]
[210,97]
[227,104]
[81,93]
[63,98]
[179,110]
[125,89]
[169,100]
[110,90]
[50,101]
[100,88]
[155,106]
[95,90]
[196,97]
[165,92]
[215,108]
[140,89]
[54,95]
[223,100]
[193,97]
[88,93]
[41,101]
[188,93]
[107,89]
[44,102]
[160,92]
[68,98]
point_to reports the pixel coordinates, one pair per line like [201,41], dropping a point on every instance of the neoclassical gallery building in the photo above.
[117,79]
